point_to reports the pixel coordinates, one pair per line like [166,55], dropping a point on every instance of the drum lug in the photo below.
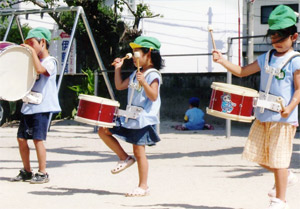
[254,103]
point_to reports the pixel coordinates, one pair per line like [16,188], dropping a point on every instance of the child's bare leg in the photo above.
[267,167]
[143,166]
[25,153]
[281,176]
[112,143]
[41,154]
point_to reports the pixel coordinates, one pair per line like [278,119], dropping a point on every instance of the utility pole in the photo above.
[250,24]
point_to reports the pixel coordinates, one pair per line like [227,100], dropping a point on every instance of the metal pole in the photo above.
[7,12]
[229,81]
[20,28]
[9,27]
[100,62]
[66,57]
[250,23]
[95,92]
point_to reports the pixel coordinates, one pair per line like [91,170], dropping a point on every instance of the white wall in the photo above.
[183,30]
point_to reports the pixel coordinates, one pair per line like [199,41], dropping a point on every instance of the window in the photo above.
[266,11]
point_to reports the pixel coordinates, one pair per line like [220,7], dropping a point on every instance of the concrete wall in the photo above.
[175,93]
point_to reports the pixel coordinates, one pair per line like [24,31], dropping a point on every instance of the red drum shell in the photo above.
[97,111]
[232,102]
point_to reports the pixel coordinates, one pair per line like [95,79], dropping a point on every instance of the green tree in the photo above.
[110,32]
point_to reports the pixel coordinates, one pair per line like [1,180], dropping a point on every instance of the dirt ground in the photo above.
[188,169]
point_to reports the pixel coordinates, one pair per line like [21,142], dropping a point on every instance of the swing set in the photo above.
[14,15]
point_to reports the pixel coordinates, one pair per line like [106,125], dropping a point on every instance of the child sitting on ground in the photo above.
[194,117]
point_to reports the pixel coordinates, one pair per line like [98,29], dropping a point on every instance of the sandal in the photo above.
[138,192]
[122,165]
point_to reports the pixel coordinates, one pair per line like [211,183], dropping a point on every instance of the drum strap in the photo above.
[274,71]
[271,102]
[277,71]
[136,85]
[35,97]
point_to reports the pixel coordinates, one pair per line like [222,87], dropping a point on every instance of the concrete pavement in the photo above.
[193,169]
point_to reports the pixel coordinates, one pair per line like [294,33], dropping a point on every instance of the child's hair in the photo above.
[156,58]
[39,40]
[283,33]
[194,101]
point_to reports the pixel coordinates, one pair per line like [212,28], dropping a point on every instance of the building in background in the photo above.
[262,10]
[183,30]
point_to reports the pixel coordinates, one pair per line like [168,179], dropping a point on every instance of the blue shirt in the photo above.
[149,116]
[195,118]
[279,87]
[46,85]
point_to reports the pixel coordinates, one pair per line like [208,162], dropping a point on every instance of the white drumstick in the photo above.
[128,56]
[210,29]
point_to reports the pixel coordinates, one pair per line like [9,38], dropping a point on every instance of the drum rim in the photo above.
[247,119]
[97,99]
[5,51]
[235,89]
[94,122]
[11,44]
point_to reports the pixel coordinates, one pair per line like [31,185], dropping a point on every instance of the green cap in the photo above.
[282,17]
[40,32]
[145,42]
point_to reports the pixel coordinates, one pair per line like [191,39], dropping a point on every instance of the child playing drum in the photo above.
[35,115]
[270,139]
[141,131]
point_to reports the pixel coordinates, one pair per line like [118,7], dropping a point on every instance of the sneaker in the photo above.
[278,204]
[292,180]
[40,178]
[23,176]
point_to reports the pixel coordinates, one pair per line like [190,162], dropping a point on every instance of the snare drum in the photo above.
[97,111]
[17,73]
[232,102]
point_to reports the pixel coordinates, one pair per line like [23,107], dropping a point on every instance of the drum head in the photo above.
[234,89]
[17,73]
[99,100]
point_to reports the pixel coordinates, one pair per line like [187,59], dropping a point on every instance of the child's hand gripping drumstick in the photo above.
[280,100]
[137,57]
[128,56]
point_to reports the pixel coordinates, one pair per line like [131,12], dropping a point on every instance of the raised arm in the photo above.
[119,82]
[235,69]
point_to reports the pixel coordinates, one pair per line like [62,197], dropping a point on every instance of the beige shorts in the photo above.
[270,144]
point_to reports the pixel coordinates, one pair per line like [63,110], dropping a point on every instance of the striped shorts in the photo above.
[270,144]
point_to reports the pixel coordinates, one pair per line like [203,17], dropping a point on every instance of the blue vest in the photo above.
[283,87]
[46,85]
